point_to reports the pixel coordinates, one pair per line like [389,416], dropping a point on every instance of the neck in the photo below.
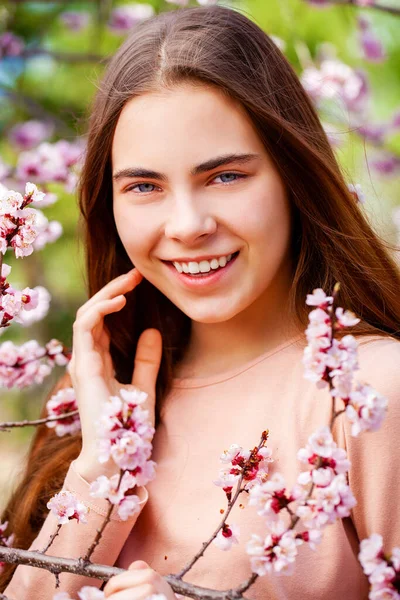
[217,347]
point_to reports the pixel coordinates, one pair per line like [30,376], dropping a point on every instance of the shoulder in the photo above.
[379,364]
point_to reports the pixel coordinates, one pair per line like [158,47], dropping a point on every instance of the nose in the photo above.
[188,222]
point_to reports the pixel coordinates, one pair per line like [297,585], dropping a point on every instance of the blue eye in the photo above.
[236,175]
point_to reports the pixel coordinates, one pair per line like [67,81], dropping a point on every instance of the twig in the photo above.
[57,565]
[231,503]
[107,518]
[52,538]
[97,539]
[26,423]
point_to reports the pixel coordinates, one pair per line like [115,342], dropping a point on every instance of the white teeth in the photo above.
[222,261]
[204,266]
[194,267]
[214,263]
[178,267]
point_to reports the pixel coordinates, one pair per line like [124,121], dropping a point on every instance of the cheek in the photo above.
[135,236]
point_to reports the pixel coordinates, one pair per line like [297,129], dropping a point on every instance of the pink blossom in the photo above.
[386,163]
[125,17]
[345,318]
[88,592]
[75,20]
[107,488]
[61,403]
[10,45]
[335,80]
[271,497]
[319,298]
[357,192]
[66,507]
[366,409]
[28,134]
[276,553]
[21,366]
[227,536]
[372,47]
[49,162]
[26,318]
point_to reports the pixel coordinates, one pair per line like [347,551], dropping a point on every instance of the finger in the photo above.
[142,592]
[147,360]
[138,568]
[82,328]
[121,284]
[138,564]
[129,579]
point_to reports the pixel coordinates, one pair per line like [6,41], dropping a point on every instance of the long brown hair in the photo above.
[332,240]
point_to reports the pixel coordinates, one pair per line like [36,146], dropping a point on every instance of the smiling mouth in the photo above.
[206,273]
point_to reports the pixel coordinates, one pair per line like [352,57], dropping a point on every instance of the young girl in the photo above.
[208,170]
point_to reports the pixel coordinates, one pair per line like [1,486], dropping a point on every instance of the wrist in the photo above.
[90,468]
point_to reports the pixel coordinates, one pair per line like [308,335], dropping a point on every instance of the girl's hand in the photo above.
[138,583]
[92,371]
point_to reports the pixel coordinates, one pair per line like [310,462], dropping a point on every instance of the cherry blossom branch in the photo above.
[57,565]
[100,531]
[9,424]
[52,538]
[231,503]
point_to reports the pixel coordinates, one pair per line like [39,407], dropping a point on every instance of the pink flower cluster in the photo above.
[24,229]
[10,45]
[252,465]
[371,45]
[15,304]
[66,507]
[334,80]
[123,18]
[28,364]
[320,497]
[51,163]
[124,435]
[5,540]
[331,362]
[28,134]
[276,552]
[62,403]
[383,571]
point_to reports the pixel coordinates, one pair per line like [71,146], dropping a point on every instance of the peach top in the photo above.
[181,506]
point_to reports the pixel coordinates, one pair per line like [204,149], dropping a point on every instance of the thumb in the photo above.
[147,360]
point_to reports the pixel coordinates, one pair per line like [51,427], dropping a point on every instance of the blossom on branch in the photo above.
[251,464]
[227,536]
[383,571]
[28,364]
[275,553]
[66,507]
[61,403]
[124,435]
[5,540]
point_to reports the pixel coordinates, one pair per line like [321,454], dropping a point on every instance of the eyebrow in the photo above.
[208,165]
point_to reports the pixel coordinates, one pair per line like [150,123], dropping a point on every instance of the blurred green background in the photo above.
[57,79]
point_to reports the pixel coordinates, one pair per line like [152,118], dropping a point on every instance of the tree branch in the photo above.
[26,423]
[57,565]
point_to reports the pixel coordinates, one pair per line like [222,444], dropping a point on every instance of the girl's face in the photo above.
[179,195]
